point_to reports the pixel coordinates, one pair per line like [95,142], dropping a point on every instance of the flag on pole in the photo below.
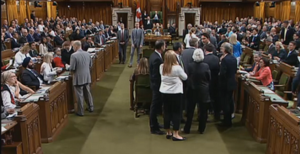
[138,14]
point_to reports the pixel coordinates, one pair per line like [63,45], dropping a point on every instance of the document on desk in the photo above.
[43,89]
[12,115]
[25,96]
[33,98]
[3,129]
[91,50]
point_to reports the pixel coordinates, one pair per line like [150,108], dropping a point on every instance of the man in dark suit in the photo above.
[156,17]
[100,38]
[148,24]
[172,29]
[205,40]
[270,46]
[297,40]
[286,33]
[30,77]
[254,40]
[255,67]
[155,61]
[145,17]
[292,57]
[14,41]
[88,44]
[227,83]
[9,33]
[187,54]
[214,66]
[123,38]
[32,15]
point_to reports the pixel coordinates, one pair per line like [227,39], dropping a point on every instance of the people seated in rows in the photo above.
[43,48]
[57,60]
[30,77]
[47,71]
[254,40]
[33,52]
[100,38]
[269,47]
[49,44]
[14,41]
[171,88]
[199,77]
[279,53]
[297,40]
[21,55]
[37,36]
[264,74]
[11,89]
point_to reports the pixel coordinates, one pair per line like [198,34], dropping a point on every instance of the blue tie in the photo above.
[253,38]
[289,53]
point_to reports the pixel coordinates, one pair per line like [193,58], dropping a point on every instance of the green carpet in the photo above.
[112,128]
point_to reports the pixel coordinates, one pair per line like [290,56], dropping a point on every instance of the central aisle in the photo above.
[112,128]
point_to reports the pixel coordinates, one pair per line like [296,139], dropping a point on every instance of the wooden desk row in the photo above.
[22,135]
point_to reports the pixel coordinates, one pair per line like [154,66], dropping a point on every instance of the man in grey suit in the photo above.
[100,38]
[80,65]
[137,40]
[123,37]
[186,55]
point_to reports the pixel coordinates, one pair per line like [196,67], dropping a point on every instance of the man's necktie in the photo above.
[122,38]
[289,54]
[102,40]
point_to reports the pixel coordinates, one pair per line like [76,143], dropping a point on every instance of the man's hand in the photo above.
[141,46]
[132,45]
[10,111]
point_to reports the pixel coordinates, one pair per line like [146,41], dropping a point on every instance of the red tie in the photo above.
[102,40]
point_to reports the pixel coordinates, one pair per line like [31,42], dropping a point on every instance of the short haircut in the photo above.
[177,46]
[193,42]
[227,47]
[266,61]
[209,47]
[255,29]
[206,35]
[293,42]
[77,43]
[159,44]
[257,53]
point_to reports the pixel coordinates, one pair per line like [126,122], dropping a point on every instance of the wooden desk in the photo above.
[108,56]
[23,134]
[284,131]
[53,110]
[152,39]
[100,64]
[239,94]
[256,109]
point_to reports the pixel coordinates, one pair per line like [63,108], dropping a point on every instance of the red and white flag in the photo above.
[138,13]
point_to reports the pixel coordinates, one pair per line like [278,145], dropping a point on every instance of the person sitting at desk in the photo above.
[33,52]
[11,89]
[255,67]
[157,29]
[21,55]
[264,74]
[156,17]
[279,53]
[6,112]
[57,61]
[30,77]
[100,38]
[47,70]
[292,57]
[88,44]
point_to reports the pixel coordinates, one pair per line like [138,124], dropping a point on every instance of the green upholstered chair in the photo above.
[143,92]
[275,76]
[159,13]
[282,85]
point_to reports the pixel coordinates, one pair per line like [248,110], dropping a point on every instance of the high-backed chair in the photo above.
[160,15]
[282,85]
[147,53]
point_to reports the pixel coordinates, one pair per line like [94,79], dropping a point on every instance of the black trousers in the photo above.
[172,110]
[122,53]
[193,96]
[155,108]
[227,103]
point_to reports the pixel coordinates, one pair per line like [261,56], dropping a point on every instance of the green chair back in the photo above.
[147,53]
[275,74]
[143,92]
[284,80]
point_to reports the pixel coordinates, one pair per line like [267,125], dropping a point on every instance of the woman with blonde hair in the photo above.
[47,70]
[21,55]
[279,53]
[189,36]
[171,88]
[237,48]
[142,68]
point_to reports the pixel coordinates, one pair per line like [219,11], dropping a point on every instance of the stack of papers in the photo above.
[113,38]
[12,115]
[242,72]
[90,50]
[33,98]
[3,129]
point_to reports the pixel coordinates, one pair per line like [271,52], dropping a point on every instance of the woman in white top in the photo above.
[43,49]
[47,70]
[172,89]
[189,36]
[21,55]
[10,89]
[41,26]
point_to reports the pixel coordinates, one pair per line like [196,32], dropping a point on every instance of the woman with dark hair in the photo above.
[264,74]
[43,48]
[198,91]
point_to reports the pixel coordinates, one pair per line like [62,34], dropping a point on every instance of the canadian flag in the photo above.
[138,14]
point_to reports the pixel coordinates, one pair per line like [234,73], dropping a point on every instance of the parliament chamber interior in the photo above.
[219,75]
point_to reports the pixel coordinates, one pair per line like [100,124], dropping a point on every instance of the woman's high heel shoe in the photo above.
[169,136]
[177,139]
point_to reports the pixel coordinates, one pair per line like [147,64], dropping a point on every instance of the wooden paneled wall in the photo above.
[87,10]
[225,11]
[40,12]
[131,3]
[3,13]
[172,4]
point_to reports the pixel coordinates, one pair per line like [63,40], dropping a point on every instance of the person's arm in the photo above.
[182,75]
[7,100]
[18,59]
[27,89]
[4,113]
[262,74]
[72,63]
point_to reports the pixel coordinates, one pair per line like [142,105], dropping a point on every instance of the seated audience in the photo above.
[88,44]
[264,74]
[43,48]
[14,41]
[31,77]
[33,52]
[255,67]
[100,38]
[57,61]
[292,57]
[279,53]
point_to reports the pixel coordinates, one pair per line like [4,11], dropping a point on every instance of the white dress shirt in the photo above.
[41,28]
[19,58]
[48,72]
[6,98]
[43,49]
[171,83]
[187,39]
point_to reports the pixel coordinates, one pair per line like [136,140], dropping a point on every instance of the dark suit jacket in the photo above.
[58,40]
[155,78]
[30,38]
[292,59]
[29,79]
[186,58]
[214,66]
[252,68]
[23,40]
[227,73]
[7,36]
[15,44]
[37,37]
[289,35]
[148,26]
[281,54]
[296,82]
[126,36]
[66,56]
[97,39]
[256,42]
[87,45]
[172,30]
[297,44]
